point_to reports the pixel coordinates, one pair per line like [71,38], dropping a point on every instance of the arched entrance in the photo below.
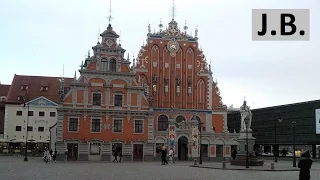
[183,148]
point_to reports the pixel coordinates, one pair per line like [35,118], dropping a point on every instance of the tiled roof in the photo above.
[4,89]
[34,84]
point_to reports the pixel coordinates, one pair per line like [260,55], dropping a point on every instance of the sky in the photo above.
[40,37]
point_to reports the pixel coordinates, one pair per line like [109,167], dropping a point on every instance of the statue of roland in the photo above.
[246,116]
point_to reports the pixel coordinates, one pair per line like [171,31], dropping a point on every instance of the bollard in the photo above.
[272,166]
[195,162]
[223,164]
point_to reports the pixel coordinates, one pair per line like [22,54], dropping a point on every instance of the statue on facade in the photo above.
[246,116]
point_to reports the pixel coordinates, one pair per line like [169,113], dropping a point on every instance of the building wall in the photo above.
[36,121]
[263,123]
[2,112]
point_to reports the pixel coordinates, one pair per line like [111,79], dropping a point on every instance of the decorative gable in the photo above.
[42,101]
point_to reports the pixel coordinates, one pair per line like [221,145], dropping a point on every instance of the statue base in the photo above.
[246,136]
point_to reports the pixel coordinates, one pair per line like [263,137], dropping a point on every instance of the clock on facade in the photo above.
[109,42]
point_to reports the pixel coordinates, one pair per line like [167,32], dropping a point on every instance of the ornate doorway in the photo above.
[183,148]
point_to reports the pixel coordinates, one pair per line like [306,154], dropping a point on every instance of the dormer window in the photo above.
[20,98]
[24,87]
[44,88]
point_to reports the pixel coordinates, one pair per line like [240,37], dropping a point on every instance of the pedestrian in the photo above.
[120,155]
[170,156]
[164,156]
[66,155]
[51,154]
[234,154]
[115,154]
[54,156]
[46,155]
[305,164]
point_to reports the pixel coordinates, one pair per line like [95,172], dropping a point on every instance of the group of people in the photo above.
[164,155]
[117,153]
[49,155]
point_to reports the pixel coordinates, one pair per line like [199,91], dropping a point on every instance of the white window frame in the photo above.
[134,126]
[73,117]
[116,119]
[91,124]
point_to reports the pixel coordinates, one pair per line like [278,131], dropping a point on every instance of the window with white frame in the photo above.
[95,148]
[113,65]
[96,99]
[118,100]
[117,125]
[104,65]
[73,124]
[138,126]
[95,125]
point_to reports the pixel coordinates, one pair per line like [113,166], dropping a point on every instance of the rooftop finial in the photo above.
[185,27]
[160,25]
[63,71]
[98,35]
[110,17]
[120,39]
[173,10]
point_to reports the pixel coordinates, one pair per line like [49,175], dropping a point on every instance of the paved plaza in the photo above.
[13,168]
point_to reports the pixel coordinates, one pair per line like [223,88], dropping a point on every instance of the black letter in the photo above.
[290,23]
[264,25]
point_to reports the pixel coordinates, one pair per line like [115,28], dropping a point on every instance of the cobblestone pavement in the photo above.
[13,168]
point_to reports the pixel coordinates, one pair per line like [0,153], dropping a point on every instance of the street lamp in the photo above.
[294,143]
[26,151]
[276,149]
[200,142]
[247,147]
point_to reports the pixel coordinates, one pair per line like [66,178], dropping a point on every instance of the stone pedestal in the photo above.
[246,136]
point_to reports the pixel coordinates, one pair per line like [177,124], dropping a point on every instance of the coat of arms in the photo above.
[173,47]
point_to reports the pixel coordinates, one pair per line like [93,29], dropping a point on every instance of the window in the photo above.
[103,66]
[52,114]
[30,113]
[19,113]
[30,128]
[113,65]
[73,124]
[138,126]
[18,128]
[117,125]
[96,99]
[205,150]
[95,125]
[41,113]
[95,148]
[44,88]
[24,88]
[118,100]
[163,123]
[40,129]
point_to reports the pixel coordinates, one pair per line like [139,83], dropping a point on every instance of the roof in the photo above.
[33,90]
[4,89]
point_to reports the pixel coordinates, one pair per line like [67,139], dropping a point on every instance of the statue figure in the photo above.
[246,115]
[178,81]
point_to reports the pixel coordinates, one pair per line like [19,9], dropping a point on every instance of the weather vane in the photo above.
[110,11]
[173,10]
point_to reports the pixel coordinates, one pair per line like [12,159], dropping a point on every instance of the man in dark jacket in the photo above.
[305,164]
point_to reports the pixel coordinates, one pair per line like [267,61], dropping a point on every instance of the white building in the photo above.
[41,120]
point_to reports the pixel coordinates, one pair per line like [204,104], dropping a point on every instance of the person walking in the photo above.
[54,156]
[120,155]
[305,164]
[51,152]
[115,154]
[66,155]
[170,156]
[164,156]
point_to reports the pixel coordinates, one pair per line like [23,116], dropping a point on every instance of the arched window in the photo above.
[113,65]
[197,118]
[181,122]
[163,123]
[104,65]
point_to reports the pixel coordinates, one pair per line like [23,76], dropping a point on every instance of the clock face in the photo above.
[109,42]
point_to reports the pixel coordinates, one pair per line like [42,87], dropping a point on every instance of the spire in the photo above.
[110,11]
[120,39]
[88,53]
[173,10]
[185,27]
[196,32]
[98,38]
[149,28]
[160,25]
[134,61]
[128,58]
[75,76]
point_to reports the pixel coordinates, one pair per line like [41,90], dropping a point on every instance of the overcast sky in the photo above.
[38,36]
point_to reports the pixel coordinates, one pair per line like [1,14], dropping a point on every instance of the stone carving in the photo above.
[246,117]
[154,79]
[182,124]
[166,80]
[173,47]
[166,85]
[189,81]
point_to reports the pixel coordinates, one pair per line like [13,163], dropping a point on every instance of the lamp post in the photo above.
[200,142]
[26,150]
[294,143]
[276,149]
[247,147]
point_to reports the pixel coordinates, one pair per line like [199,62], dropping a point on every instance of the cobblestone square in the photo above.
[13,168]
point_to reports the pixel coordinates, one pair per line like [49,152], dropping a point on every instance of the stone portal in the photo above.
[183,148]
